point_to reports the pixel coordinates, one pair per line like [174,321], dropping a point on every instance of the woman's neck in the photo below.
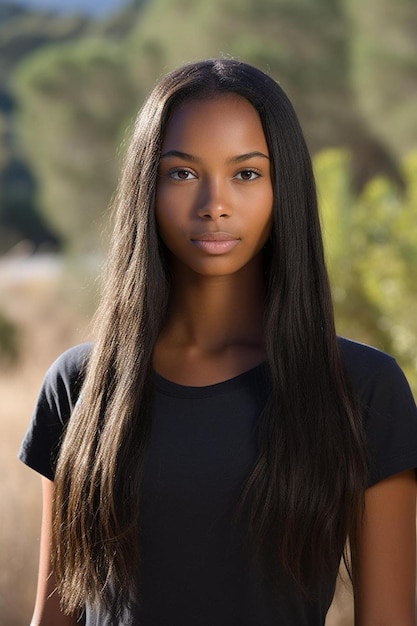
[214,329]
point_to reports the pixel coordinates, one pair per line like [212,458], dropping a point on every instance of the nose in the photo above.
[214,201]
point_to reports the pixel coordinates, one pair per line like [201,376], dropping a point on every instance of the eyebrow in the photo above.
[237,159]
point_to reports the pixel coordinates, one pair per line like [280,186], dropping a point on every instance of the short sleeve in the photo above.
[389,409]
[58,396]
[390,422]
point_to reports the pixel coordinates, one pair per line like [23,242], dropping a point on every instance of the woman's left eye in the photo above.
[247,175]
[181,174]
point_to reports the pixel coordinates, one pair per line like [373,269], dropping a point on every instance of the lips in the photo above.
[216,236]
[215,243]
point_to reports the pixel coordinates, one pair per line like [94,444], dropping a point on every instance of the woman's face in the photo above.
[214,193]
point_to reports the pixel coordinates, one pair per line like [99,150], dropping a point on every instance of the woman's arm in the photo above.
[47,609]
[385,576]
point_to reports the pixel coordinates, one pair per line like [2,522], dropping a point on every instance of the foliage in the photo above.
[75,99]
[344,63]
[8,341]
[80,97]
[19,215]
[22,32]
[383,55]
[305,45]
[371,244]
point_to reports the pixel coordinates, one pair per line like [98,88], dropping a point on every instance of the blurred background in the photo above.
[72,76]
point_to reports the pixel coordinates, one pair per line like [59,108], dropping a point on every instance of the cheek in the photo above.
[164,228]
[172,206]
[168,224]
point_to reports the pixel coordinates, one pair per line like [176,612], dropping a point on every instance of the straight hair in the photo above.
[304,497]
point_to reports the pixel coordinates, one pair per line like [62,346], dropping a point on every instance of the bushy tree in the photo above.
[22,32]
[371,245]
[77,99]
[304,44]
[76,102]
[383,61]
[8,341]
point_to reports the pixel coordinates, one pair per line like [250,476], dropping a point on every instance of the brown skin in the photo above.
[47,610]
[386,573]
[214,328]
[214,177]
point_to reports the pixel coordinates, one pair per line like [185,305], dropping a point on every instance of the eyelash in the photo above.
[247,170]
[177,170]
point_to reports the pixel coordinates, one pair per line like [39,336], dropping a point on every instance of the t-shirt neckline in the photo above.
[170,388]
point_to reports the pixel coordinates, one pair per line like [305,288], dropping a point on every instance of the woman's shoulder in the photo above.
[356,353]
[56,401]
[378,380]
[389,409]
[366,365]
[71,362]
[64,378]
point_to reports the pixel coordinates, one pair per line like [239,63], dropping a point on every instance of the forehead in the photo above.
[224,118]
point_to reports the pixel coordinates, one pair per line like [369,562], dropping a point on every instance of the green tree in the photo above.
[371,246]
[383,61]
[9,350]
[22,32]
[304,44]
[75,102]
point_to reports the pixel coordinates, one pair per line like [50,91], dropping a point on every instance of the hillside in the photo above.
[96,8]
[349,67]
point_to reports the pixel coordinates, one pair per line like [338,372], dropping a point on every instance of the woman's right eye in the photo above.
[180,173]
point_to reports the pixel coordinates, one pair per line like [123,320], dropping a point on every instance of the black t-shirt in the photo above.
[201,449]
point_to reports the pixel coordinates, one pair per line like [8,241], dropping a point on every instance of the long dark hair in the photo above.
[304,496]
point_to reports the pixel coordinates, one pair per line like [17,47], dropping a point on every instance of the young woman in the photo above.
[221,444]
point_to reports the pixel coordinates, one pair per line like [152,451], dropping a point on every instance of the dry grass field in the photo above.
[48,325]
